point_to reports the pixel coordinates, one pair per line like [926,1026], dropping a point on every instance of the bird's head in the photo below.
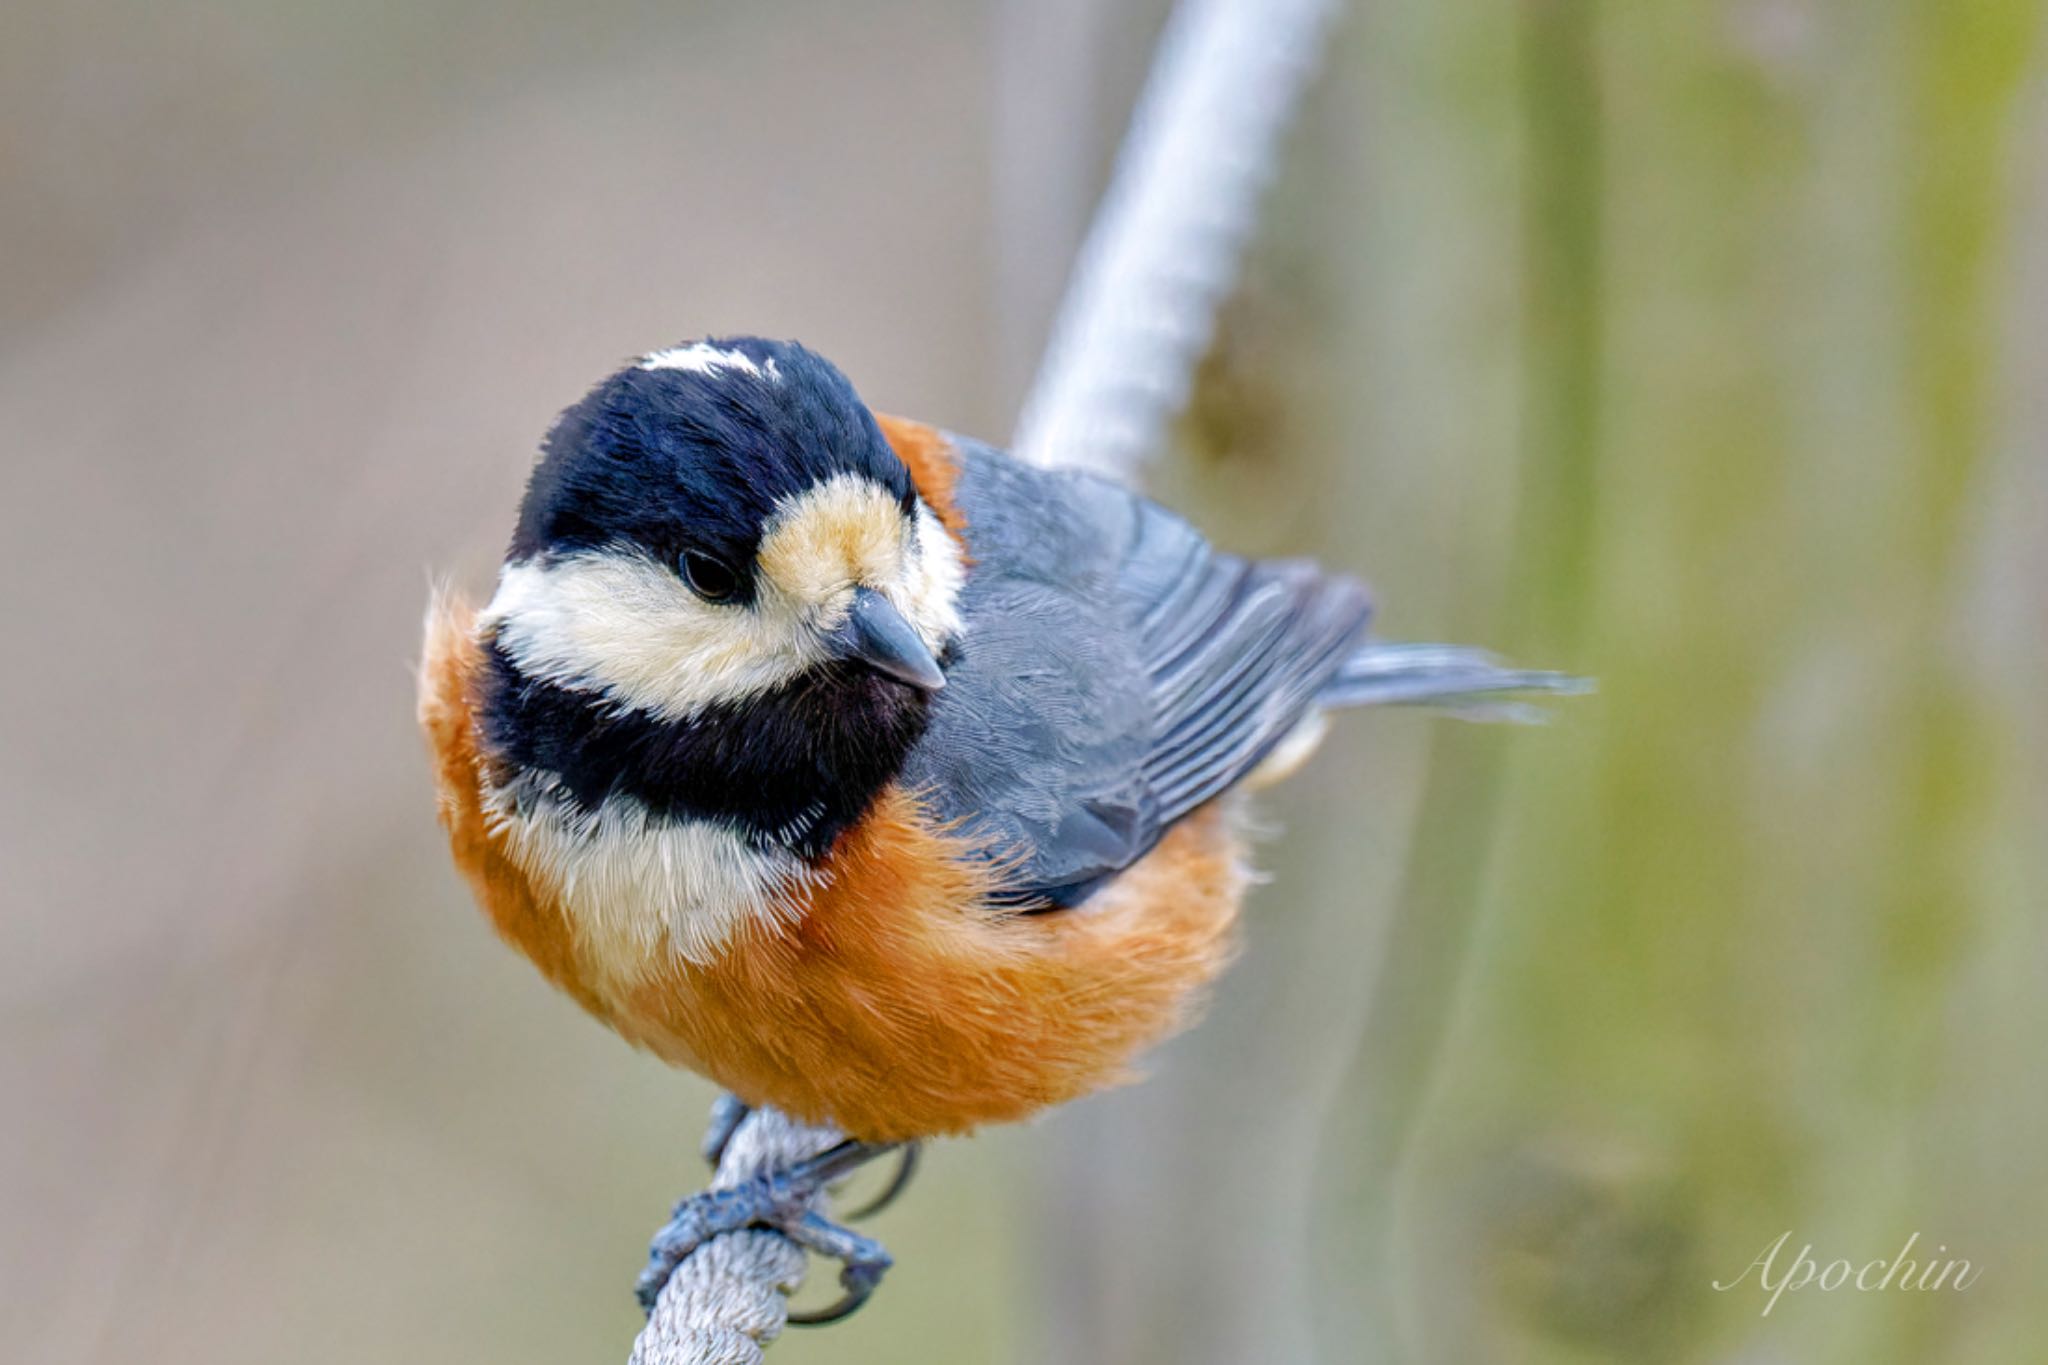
[717,522]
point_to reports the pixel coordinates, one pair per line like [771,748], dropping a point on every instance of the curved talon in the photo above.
[728,1112]
[906,1168]
[775,1200]
[860,1280]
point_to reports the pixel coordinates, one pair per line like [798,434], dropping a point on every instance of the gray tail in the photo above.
[1464,682]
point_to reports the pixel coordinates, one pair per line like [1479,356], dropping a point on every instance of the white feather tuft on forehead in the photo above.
[704,358]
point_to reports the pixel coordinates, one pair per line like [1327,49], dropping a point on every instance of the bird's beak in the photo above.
[876,634]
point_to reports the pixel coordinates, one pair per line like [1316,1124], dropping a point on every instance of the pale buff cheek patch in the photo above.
[619,623]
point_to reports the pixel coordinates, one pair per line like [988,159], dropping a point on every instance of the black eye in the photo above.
[711,579]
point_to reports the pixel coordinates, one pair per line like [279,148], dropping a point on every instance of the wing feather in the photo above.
[1117,671]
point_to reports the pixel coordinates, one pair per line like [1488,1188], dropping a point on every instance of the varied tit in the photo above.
[870,773]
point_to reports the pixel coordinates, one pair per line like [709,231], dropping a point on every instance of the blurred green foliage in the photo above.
[1741,967]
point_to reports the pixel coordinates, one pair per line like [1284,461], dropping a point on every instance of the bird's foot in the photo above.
[906,1167]
[779,1200]
[728,1112]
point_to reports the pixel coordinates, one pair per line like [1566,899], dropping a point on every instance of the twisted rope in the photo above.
[729,1298]
[1165,246]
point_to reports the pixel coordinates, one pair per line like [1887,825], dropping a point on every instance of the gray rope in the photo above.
[729,1298]
[1164,249]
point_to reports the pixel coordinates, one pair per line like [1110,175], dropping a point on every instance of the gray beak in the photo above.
[876,634]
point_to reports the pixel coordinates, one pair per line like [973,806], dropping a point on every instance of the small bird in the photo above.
[873,774]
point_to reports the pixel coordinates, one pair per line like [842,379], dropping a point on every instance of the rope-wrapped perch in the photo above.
[729,1298]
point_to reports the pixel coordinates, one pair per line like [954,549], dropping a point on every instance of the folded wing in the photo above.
[1117,672]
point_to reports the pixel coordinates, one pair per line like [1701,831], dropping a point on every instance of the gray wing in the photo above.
[1116,672]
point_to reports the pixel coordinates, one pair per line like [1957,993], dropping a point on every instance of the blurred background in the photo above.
[1701,345]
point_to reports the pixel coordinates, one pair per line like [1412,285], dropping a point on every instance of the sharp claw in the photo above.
[906,1167]
[860,1279]
[728,1112]
[777,1200]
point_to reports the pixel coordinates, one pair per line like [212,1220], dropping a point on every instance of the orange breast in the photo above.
[899,1004]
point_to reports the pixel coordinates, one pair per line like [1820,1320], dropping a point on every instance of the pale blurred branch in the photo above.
[1170,233]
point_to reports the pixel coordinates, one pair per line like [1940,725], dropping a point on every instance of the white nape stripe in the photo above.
[636,885]
[704,358]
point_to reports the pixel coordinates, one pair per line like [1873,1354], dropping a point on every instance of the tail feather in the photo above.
[1462,681]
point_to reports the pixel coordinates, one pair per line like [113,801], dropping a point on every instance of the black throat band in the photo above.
[790,768]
